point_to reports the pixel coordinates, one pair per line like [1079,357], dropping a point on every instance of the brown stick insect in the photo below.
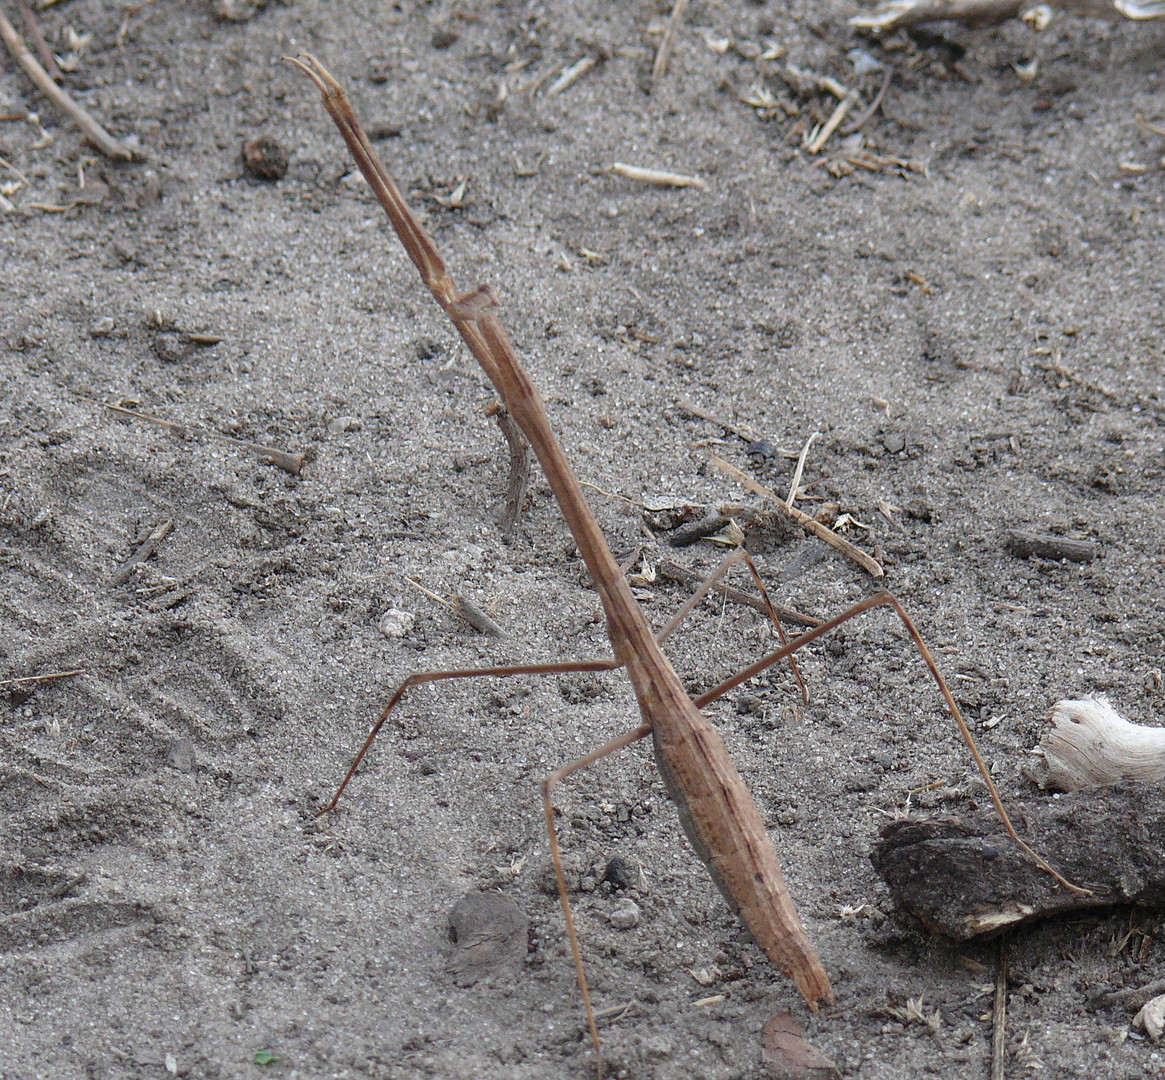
[717,812]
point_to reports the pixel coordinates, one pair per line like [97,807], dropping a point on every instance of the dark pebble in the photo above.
[264,158]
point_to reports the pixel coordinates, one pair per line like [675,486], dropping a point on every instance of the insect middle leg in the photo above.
[886,599]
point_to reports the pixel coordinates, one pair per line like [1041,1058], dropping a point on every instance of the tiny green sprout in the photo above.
[265,1057]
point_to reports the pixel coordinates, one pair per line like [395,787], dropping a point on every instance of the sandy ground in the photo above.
[972,317]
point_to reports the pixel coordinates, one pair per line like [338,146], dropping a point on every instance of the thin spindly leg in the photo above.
[556,856]
[885,599]
[419,677]
[709,583]
[777,623]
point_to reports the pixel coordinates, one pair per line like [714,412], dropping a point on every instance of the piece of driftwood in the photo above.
[976,14]
[1090,743]
[1151,1018]
[963,880]
[1025,544]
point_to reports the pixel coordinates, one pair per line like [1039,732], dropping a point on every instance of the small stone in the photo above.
[102,327]
[1152,1018]
[625,914]
[395,623]
[761,450]
[181,755]
[619,873]
[264,158]
[894,443]
[344,423]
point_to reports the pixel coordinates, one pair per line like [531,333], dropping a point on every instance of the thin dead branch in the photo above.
[92,130]
[658,177]
[289,463]
[680,574]
[838,543]
[49,677]
[999,1013]
[663,53]
[147,550]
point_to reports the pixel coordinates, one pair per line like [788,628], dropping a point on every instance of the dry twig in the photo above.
[683,576]
[519,481]
[658,177]
[43,678]
[289,463]
[999,1013]
[838,543]
[663,53]
[146,551]
[92,130]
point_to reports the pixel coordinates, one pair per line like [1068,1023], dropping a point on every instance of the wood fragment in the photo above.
[1024,545]
[795,483]
[658,177]
[709,525]
[28,679]
[45,53]
[868,113]
[1090,744]
[289,463]
[743,430]
[680,574]
[476,618]
[975,14]
[147,550]
[963,880]
[1151,1018]
[838,543]
[663,53]
[840,112]
[92,130]
[68,885]
[1133,996]
[572,75]
[520,463]
[999,1013]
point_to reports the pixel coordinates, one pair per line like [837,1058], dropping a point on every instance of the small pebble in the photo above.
[344,423]
[395,623]
[761,450]
[619,873]
[101,327]
[625,914]
[863,62]
[264,158]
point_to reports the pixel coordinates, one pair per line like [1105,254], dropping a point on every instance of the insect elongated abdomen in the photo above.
[723,824]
